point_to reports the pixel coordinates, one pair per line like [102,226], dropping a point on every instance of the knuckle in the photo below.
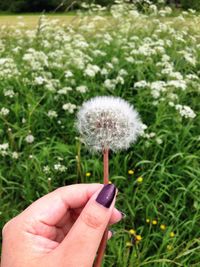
[92,219]
[7,228]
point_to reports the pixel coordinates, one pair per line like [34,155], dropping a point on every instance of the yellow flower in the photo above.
[140,179]
[169,247]
[154,222]
[138,238]
[129,244]
[172,234]
[88,174]
[163,227]
[131,172]
[132,231]
[147,221]
[110,182]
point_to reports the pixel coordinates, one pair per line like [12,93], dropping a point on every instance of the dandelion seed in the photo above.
[108,122]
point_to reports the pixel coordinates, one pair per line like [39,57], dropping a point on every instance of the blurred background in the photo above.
[23,6]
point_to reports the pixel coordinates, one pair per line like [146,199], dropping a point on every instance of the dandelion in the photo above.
[131,172]
[147,220]
[172,234]
[163,227]
[108,123]
[154,222]
[88,174]
[138,238]
[140,179]
[132,231]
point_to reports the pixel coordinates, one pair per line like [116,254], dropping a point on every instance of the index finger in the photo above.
[51,208]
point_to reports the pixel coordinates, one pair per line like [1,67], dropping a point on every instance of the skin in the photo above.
[63,228]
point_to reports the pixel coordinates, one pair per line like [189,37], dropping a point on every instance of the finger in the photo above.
[86,233]
[52,208]
[67,222]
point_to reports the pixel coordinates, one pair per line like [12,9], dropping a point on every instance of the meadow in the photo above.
[152,60]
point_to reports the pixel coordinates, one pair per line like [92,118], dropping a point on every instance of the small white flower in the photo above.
[108,122]
[30,138]
[10,93]
[4,111]
[68,74]
[82,89]
[46,169]
[64,90]
[59,167]
[15,155]
[52,114]
[69,107]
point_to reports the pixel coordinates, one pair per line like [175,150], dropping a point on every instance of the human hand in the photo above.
[62,229]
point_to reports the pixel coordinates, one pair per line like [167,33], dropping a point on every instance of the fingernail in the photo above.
[106,195]
[123,215]
[112,232]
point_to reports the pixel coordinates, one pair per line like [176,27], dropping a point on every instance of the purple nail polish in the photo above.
[106,196]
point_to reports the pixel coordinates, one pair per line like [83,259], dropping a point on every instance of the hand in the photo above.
[62,229]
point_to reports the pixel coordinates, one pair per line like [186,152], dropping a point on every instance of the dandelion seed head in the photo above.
[108,122]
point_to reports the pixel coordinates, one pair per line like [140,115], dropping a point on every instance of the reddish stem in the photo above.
[104,239]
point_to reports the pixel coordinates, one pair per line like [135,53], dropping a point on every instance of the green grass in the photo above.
[169,192]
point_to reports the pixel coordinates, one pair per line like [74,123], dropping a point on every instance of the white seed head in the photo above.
[108,122]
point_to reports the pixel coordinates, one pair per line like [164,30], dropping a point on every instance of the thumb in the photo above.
[82,242]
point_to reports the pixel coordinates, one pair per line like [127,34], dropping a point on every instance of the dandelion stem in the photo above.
[102,245]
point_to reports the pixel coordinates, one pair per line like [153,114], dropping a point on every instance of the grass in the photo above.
[31,20]
[39,63]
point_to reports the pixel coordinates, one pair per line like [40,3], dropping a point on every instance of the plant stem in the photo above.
[102,245]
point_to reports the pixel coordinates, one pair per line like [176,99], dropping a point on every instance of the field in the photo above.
[152,60]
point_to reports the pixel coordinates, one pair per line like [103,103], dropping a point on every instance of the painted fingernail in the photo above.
[123,215]
[106,195]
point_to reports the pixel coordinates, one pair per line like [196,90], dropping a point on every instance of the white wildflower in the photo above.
[185,111]
[82,89]
[3,149]
[30,138]
[69,107]
[64,90]
[52,114]
[4,111]
[68,74]
[141,84]
[59,167]
[15,155]
[10,93]
[108,122]
[159,141]
[46,169]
